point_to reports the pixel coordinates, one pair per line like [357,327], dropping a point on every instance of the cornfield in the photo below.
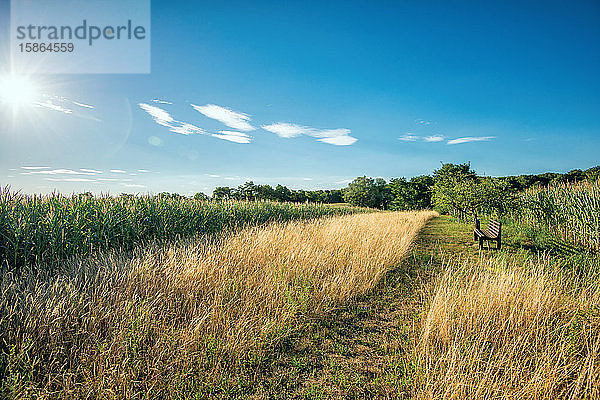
[568,211]
[46,229]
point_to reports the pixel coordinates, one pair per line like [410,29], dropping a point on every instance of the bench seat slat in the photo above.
[492,232]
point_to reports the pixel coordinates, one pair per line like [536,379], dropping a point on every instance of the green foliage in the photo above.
[411,195]
[563,211]
[368,192]
[201,197]
[458,190]
[250,191]
[51,228]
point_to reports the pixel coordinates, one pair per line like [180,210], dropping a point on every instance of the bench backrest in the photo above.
[494,228]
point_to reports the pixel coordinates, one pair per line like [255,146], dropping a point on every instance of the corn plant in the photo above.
[569,211]
[46,229]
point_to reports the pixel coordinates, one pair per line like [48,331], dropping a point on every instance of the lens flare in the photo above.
[18,91]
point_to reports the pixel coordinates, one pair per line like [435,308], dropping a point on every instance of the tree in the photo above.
[201,196]
[368,192]
[222,193]
[453,188]
[282,193]
[247,191]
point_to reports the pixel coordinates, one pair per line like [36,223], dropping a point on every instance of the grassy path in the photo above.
[362,350]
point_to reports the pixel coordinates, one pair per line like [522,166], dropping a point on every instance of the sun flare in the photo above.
[18,90]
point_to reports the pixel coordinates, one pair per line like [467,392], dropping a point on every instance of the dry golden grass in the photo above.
[170,320]
[511,328]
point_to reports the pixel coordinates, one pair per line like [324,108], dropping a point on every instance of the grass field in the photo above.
[367,305]
[189,318]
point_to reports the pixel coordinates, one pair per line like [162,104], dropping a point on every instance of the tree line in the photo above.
[453,188]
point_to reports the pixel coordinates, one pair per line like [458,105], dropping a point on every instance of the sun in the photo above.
[18,91]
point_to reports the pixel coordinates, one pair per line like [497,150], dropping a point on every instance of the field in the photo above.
[305,301]
[48,229]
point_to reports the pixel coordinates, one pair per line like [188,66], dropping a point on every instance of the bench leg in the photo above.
[499,245]
[480,243]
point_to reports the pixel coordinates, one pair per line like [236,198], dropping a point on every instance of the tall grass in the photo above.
[567,211]
[46,229]
[512,327]
[176,320]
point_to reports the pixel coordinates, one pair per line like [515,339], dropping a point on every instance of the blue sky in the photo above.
[311,95]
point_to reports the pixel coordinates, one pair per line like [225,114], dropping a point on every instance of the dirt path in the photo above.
[362,350]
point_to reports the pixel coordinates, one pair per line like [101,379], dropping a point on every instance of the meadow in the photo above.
[525,322]
[262,300]
[173,319]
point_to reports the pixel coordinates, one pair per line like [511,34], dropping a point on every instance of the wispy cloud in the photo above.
[422,122]
[409,138]
[93,171]
[186,129]
[159,101]
[59,172]
[434,138]
[162,117]
[236,137]
[339,140]
[49,105]
[70,179]
[81,104]
[117,171]
[132,185]
[59,103]
[468,139]
[143,170]
[32,168]
[338,137]
[226,116]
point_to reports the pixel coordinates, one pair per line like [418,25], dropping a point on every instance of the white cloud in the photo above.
[226,116]
[93,171]
[58,172]
[81,104]
[186,129]
[162,117]
[343,181]
[117,171]
[468,139]
[339,140]
[161,101]
[70,179]
[286,130]
[143,170]
[54,107]
[108,179]
[236,137]
[132,185]
[32,168]
[434,138]
[409,138]
[422,122]
[338,137]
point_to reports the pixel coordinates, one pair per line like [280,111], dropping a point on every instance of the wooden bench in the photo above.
[493,232]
